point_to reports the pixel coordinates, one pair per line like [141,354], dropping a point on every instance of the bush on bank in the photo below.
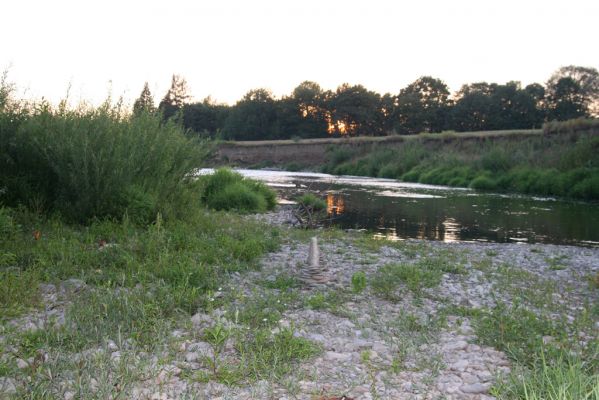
[229,190]
[93,162]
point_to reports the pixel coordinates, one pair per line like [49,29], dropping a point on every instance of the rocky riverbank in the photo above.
[413,330]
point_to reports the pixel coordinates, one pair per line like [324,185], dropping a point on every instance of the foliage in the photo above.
[311,201]
[563,379]
[176,97]
[229,190]
[426,273]
[358,282]
[425,105]
[88,163]
[548,165]
[145,102]
[268,356]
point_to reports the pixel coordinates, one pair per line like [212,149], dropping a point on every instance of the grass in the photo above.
[561,379]
[564,165]
[425,273]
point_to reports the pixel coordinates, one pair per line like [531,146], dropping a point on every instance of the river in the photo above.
[400,210]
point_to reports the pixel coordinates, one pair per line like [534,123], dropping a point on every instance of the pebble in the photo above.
[475,388]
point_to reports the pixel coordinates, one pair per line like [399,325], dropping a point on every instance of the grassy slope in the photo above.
[556,164]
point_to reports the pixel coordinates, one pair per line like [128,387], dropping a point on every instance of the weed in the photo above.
[426,273]
[358,282]
[217,337]
[267,356]
[563,378]
[283,281]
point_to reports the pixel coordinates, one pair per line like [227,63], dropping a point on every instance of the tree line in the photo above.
[425,105]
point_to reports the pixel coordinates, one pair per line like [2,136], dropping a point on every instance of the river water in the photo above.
[399,210]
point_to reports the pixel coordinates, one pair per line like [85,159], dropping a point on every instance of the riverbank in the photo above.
[430,320]
[560,160]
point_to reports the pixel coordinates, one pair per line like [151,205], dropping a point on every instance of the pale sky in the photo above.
[225,48]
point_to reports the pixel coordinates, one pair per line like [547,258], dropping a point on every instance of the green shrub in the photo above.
[483,182]
[229,190]
[586,189]
[358,282]
[88,163]
[312,202]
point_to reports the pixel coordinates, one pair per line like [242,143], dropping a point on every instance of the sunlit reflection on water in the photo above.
[335,204]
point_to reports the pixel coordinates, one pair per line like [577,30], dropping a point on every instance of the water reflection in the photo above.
[451,230]
[335,204]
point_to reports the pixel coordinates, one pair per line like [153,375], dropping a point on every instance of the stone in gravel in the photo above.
[22,364]
[459,365]
[202,348]
[72,285]
[201,320]
[47,288]
[469,378]
[475,388]
[7,386]
[455,346]
[111,346]
[339,357]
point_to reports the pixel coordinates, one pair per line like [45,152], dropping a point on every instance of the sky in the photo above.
[224,48]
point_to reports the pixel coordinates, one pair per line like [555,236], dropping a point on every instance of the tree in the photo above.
[566,100]
[303,113]
[145,101]
[254,117]
[580,86]
[354,110]
[175,98]
[422,106]
[473,107]
[207,117]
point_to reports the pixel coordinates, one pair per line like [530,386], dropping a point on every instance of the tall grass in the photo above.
[559,165]
[87,162]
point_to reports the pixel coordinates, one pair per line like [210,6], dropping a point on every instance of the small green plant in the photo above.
[388,278]
[556,263]
[282,281]
[358,282]
[563,378]
[217,336]
[267,356]
[595,280]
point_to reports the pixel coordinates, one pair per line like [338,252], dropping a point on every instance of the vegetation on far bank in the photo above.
[561,164]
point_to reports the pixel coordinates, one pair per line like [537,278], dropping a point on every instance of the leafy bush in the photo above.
[483,182]
[358,282]
[88,163]
[229,190]
[309,200]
